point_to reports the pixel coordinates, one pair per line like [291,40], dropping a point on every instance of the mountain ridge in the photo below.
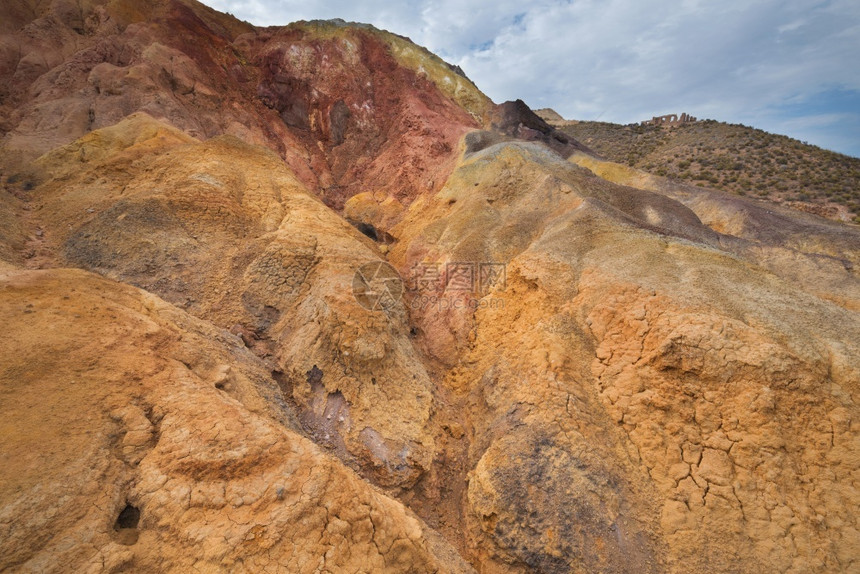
[731,157]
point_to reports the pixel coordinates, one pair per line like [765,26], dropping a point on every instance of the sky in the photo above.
[786,66]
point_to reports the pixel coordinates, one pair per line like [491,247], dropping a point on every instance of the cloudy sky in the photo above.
[786,66]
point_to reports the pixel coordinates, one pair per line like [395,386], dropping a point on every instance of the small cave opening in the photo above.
[126,525]
[369,230]
[128,518]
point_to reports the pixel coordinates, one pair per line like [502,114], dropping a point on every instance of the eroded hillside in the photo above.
[302,299]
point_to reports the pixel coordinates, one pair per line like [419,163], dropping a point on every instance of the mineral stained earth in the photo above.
[303,299]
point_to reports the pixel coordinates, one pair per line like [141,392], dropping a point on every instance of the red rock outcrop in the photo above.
[349,108]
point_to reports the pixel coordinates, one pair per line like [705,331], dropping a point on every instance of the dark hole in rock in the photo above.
[128,518]
[126,525]
[370,231]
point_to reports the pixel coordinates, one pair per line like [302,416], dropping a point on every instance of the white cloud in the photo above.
[622,60]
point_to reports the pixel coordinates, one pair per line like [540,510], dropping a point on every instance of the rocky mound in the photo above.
[138,437]
[253,252]
[647,393]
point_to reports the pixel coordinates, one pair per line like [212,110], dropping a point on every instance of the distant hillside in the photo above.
[734,158]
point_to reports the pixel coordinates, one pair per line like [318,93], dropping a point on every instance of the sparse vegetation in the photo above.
[733,158]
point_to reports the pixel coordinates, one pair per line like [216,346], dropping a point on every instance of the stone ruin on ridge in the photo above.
[670,120]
